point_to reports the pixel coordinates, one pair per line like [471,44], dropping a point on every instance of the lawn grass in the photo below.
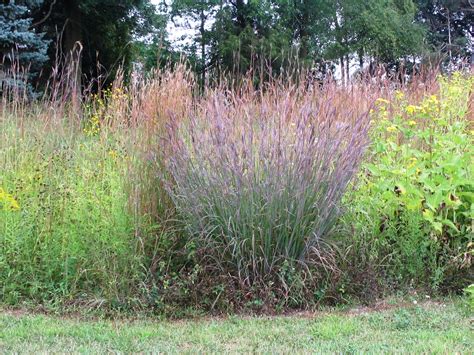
[428,327]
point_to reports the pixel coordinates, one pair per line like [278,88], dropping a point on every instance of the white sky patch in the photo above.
[183,30]
[180,33]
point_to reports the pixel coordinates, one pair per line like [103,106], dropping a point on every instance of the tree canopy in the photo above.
[236,35]
[106,30]
[19,44]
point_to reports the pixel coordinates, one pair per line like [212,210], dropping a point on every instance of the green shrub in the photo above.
[413,202]
[469,291]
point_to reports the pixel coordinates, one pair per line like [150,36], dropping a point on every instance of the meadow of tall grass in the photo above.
[151,194]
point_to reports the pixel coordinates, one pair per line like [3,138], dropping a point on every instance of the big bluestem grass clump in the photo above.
[258,178]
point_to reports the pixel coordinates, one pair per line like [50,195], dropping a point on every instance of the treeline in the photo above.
[234,36]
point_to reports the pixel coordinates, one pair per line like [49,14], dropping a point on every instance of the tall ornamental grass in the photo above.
[258,178]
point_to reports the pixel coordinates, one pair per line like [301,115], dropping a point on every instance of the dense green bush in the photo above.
[411,211]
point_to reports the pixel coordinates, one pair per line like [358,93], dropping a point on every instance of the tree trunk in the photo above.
[72,47]
[241,13]
[303,31]
[347,69]
[343,79]
[203,50]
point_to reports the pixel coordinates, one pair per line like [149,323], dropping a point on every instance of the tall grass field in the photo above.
[152,195]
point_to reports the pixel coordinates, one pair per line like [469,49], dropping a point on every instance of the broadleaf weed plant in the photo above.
[413,201]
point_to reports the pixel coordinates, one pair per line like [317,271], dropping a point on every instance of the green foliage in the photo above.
[105,30]
[235,36]
[382,29]
[250,35]
[469,291]
[68,234]
[414,200]
[448,21]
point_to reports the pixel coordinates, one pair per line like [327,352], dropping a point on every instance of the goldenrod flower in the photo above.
[434,99]
[412,162]
[14,206]
[399,95]
[381,100]
[411,109]
[8,201]
[113,154]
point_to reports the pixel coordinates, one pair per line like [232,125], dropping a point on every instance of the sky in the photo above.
[181,32]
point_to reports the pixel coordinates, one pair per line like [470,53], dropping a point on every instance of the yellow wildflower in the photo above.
[412,162]
[399,95]
[381,100]
[392,129]
[433,99]
[411,109]
[431,104]
[8,201]
[113,154]
[412,123]
[92,126]
[14,206]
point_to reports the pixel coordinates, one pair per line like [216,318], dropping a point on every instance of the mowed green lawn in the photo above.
[429,327]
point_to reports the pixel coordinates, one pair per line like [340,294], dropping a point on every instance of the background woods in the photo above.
[233,36]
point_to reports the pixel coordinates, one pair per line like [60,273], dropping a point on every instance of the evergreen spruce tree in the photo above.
[19,43]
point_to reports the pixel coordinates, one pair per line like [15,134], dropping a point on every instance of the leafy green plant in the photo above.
[83,218]
[416,188]
[71,234]
[469,291]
